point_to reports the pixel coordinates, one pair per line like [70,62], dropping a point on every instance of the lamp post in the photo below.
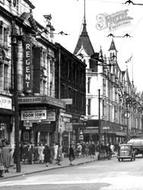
[14,45]
[99,123]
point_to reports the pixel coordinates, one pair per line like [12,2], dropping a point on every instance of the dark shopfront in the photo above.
[5,126]
[39,119]
[6,118]
[110,132]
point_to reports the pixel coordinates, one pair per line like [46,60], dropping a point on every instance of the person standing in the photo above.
[40,152]
[71,154]
[1,161]
[6,156]
[59,155]
[47,155]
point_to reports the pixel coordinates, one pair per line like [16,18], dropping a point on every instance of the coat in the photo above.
[47,154]
[71,154]
[1,160]
[6,156]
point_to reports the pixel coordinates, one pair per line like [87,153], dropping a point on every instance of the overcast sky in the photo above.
[67,16]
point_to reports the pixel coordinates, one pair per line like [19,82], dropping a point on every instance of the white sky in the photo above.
[67,16]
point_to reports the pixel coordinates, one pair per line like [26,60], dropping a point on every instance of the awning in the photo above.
[38,100]
[44,127]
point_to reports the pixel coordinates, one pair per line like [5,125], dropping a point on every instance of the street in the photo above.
[103,175]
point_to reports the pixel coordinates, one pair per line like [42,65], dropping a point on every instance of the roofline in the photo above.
[74,56]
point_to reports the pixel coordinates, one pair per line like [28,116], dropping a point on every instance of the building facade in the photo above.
[71,88]
[113,107]
[34,60]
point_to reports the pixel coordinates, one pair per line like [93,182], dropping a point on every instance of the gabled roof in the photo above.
[84,42]
[112,46]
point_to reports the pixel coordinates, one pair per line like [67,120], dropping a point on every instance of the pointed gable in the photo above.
[84,42]
[112,46]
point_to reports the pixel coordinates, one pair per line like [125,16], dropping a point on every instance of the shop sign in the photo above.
[68,101]
[68,127]
[5,102]
[28,66]
[33,115]
[27,123]
[51,116]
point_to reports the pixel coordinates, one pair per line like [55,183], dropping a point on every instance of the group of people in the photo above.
[44,154]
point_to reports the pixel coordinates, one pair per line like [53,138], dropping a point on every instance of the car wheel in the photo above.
[119,159]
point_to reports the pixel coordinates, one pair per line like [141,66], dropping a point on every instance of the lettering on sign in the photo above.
[33,115]
[27,66]
[5,102]
[113,21]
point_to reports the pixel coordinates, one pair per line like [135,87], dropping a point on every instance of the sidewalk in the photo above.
[35,168]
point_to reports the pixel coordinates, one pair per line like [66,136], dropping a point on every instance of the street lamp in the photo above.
[99,124]
[14,45]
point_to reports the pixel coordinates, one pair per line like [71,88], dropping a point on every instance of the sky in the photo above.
[67,16]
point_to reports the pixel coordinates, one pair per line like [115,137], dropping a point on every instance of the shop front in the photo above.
[6,118]
[109,132]
[40,120]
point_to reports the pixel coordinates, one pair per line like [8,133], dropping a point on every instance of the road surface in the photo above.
[99,175]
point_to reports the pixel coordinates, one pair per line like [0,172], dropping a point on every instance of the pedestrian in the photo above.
[59,155]
[6,154]
[30,154]
[92,147]
[71,154]
[1,161]
[47,155]
[79,149]
[40,152]
[55,151]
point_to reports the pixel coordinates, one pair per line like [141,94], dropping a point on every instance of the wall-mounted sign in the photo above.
[33,115]
[51,116]
[5,102]
[68,101]
[28,66]
[68,127]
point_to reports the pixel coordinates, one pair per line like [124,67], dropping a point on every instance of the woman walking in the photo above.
[71,154]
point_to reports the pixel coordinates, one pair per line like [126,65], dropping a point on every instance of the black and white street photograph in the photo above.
[71,95]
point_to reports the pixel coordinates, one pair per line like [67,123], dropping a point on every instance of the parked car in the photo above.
[137,144]
[126,151]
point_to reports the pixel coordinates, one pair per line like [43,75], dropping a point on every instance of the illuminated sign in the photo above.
[27,66]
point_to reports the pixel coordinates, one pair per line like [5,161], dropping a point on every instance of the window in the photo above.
[88,84]
[5,36]
[89,107]
[5,77]
[0,34]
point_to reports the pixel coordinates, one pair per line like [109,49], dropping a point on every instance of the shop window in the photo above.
[26,136]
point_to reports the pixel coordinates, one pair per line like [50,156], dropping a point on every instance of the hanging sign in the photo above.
[28,66]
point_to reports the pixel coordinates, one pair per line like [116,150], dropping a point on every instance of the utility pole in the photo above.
[14,45]
[99,124]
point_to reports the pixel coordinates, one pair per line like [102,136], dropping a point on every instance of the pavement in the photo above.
[27,169]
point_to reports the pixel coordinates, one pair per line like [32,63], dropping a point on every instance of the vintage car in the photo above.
[126,151]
